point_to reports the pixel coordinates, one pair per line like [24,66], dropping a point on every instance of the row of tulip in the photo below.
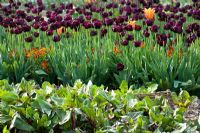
[105,44]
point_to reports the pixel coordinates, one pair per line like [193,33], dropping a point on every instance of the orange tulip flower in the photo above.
[170,51]
[149,13]
[60,30]
[132,23]
[45,66]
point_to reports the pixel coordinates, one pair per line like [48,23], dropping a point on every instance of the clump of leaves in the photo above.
[25,107]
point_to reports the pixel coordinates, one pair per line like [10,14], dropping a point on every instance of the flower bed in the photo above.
[86,107]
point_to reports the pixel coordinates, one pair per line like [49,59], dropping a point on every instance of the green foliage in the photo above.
[86,107]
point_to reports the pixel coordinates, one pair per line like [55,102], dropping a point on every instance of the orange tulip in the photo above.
[116,50]
[60,30]
[149,13]
[170,51]
[132,23]
[45,66]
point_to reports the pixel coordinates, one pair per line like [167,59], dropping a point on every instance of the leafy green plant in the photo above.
[25,107]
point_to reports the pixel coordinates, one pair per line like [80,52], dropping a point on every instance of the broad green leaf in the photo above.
[40,72]
[5,130]
[19,123]
[64,116]
[152,88]
[123,86]
[181,128]
[45,106]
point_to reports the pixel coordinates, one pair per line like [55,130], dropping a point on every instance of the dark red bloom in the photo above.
[49,32]
[161,39]
[103,32]
[149,22]
[108,21]
[154,28]
[146,33]
[87,24]
[56,38]
[130,37]
[117,28]
[125,42]
[97,24]
[93,33]
[29,39]
[137,43]
[36,34]
[120,66]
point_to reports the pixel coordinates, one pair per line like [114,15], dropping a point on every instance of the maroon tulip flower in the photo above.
[130,37]
[29,39]
[56,38]
[137,43]
[154,28]
[49,32]
[93,33]
[120,66]
[149,22]
[108,21]
[146,33]
[103,32]
[36,34]
[97,24]
[125,42]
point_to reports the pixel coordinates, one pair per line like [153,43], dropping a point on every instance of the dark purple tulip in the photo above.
[88,17]
[87,24]
[29,18]
[36,34]
[29,39]
[49,32]
[103,32]
[26,28]
[36,26]
[18,30]
[161,39]
[117,28]
[167,26]
[120,66]
[137,43]
[191,38]
[56,38]
[149,22]
[59,18]
[20,13]
[108,21]
[44,28]
[128,28]
[146,33]
[123,33]
[125,42]
[44,23]
[177,29]
[97,24]
[109,6]
[69,6]
[93,33]
[137,27]
[128,10]
[154,28]
[104,14]
[130,37]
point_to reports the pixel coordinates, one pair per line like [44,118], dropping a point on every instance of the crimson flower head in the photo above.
[120,66]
